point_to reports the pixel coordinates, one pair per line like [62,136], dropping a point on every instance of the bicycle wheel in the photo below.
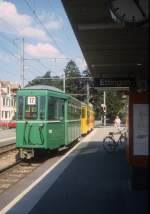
[122,140]
[109,144]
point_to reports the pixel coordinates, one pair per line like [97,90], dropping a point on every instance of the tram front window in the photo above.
[20,107]
[31,108]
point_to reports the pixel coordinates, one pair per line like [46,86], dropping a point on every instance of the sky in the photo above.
[49,41]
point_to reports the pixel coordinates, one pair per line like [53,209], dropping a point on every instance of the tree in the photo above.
[42,80]
[57,82]
[115,105]
[73,85]
[47,79]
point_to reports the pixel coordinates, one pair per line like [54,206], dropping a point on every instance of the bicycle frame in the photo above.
[110,143]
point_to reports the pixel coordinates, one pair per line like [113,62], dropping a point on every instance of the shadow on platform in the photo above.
[95,182]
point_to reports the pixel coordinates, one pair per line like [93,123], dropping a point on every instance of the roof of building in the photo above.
[5,83]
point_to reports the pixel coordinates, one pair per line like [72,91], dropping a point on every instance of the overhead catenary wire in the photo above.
[36,17]
[10,41]
[43,65]
[67,59]
[45,78]
[39,60]
[65,33]
[3,70]
[10,53]
[16,56]
[35,69]
[7,23]
[54,58]
[47,68]
[6,49]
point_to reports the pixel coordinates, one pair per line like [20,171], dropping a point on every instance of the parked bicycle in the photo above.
[110,144]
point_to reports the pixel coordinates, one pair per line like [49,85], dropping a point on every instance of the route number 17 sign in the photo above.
[31,100]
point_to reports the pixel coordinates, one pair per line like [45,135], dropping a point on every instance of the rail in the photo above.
[7,148]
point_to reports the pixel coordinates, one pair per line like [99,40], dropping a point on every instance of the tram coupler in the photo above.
[26,153]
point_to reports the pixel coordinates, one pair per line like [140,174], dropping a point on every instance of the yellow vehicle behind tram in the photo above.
[90,117]
[87,118]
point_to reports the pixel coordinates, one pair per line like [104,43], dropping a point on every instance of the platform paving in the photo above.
[95,182]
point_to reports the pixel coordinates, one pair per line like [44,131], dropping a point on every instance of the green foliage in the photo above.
[73,85]
[40,80]
[47,79]
[115,105]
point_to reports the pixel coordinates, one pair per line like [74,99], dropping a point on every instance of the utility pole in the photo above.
[88,91]
[105,108]
[22,60]
[64,83]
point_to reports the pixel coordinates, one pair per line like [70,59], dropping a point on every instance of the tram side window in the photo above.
[79,113]
[52,108]
[69,111]
[31,108]
[61,109]
[42,108]
[75,113]
[20,108]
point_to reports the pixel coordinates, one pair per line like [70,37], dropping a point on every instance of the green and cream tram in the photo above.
[47,118]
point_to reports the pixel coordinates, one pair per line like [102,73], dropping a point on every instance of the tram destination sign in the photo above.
[114,82]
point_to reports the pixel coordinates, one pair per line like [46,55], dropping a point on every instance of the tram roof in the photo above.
[50,88]
[43,87]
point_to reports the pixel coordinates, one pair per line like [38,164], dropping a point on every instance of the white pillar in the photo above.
[105,108]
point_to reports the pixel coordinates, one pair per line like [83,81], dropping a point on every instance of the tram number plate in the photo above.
[31,100]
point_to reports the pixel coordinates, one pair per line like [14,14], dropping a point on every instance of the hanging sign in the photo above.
[114,82]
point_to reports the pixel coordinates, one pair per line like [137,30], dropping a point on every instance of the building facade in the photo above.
[8,100]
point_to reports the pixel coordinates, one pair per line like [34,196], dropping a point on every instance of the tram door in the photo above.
[56,122]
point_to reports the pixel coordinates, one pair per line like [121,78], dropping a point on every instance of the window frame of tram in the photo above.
[40,108]
[20,112]
[56,109]
[58,112]
[74,111]
[31,111]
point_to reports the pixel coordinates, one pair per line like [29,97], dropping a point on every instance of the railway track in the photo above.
[16,169]
[12,168]
[15,173]
[8,157]
[7,148]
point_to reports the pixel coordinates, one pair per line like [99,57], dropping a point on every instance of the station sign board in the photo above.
[114,82]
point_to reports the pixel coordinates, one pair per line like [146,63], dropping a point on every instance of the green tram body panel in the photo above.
[36,125]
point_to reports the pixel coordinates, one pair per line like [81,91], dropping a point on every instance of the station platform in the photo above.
[87,180]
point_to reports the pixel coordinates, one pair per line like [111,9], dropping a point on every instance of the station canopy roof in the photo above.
[111,50]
